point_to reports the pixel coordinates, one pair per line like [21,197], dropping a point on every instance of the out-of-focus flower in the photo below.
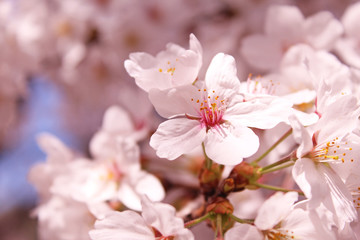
[157,221]
[348,46]
[285,26]
[118,178]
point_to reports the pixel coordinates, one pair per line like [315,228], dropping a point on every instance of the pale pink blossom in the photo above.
[59,156]
[170,68]
[277,219]
[286,26]
[323,148]
[216,115]
[157,221]
[116,178]
[348,46]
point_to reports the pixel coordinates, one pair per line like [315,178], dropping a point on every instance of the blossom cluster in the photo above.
[273,156]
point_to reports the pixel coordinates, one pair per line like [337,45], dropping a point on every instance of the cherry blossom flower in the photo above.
[348,46]
[173,67]
[216,114]
[119,178]
[323,149]
[286,26]
[278,219]
[64,218]
[116,123]
[157,221]
[59,156]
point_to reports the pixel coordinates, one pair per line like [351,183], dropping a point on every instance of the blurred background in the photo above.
[61,67]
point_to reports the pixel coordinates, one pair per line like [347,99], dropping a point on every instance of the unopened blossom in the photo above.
[278,219]
[170,68]
[286,26]
[157,221]
[216,115]
[327,153]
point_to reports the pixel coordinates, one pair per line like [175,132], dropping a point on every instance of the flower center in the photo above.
[210,108]
[168,68]
[259,86]
[331,151]
[113,173]
[159,236]
[355,193]
[279,234]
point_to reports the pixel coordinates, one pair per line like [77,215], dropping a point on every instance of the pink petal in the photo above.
[275,209]
[244,232]
[178,136]
[126,225]
[222,73]
[229,144]
[262,52]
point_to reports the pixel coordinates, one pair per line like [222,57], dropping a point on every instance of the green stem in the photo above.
[239,220]
[219,231]
[270,187]
[196,221]
[276,168]
[275,164]
[272,147]
[208,161]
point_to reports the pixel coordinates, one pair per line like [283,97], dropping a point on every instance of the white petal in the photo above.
[344,111]
[262,52]
[301,136]
[222,73]
[128,196]
[244,232]
[340,197]
[284,22]
[175,101]
[162,217]
[126,225]
[147,184]
[263,112]
[175,137]
[195,45]
[276,208]
[299,223]
[310,181]
[229,144]
[322,29]
[351,20]
[139,183]
[117,119]
[56,150]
